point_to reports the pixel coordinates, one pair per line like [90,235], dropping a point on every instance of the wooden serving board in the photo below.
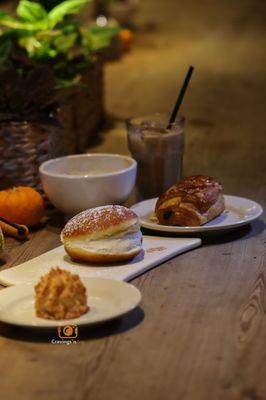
[156,250]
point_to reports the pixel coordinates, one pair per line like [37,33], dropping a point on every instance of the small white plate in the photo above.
[107,300]
[238,211]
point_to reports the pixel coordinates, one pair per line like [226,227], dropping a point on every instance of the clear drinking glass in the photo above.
[158,149]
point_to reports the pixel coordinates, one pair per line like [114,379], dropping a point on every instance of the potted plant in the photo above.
[70,51]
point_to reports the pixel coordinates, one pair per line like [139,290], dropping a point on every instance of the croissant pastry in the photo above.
[193,201]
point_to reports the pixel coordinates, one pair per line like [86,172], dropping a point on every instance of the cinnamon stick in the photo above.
[15,230]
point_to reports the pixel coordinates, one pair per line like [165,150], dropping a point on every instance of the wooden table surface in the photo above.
[200,331]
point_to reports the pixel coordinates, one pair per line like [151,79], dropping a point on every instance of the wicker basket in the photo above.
[66,118]
[89,106]
[82,115]
[23,147]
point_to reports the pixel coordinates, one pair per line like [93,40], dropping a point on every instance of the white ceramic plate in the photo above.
[107,299]
[239,211]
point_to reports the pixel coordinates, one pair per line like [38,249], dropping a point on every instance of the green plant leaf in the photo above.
[30,11]
[30,44]
[99,38]
[64,83]
[38,50]
[64,42]
[67,7]
[13,23]
[8,21]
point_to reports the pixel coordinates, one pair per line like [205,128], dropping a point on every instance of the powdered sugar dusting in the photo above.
[97,219]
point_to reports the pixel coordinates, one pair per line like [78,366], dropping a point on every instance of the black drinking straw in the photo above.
[180,97]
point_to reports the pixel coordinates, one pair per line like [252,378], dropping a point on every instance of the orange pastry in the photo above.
[60,295]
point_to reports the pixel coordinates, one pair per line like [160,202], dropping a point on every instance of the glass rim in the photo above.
[178,122]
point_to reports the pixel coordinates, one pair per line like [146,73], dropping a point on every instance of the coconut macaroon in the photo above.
[104,234]
[60,295]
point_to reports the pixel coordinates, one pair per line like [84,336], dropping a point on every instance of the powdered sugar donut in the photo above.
[103,234]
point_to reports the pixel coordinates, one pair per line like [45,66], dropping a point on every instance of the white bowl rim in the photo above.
[69,176]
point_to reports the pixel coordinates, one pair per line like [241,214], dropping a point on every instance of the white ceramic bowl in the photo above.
[76,183]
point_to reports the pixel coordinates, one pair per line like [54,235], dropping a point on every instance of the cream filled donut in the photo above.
[103,234]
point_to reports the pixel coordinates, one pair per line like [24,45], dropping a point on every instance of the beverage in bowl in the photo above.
[78,182]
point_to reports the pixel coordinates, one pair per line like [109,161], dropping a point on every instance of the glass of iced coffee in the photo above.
[158,148]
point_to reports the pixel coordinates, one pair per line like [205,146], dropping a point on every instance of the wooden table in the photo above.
[200,331]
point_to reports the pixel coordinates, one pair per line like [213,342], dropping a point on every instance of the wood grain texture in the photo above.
[200,332]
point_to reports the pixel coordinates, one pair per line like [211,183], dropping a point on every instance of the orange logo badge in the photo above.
[68,331]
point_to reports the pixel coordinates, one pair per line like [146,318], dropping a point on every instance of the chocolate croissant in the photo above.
[193,201]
